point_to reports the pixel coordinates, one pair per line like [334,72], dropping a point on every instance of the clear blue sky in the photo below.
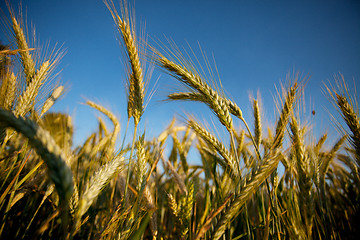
[255,44]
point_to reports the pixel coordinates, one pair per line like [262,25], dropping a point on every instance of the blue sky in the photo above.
[255,44]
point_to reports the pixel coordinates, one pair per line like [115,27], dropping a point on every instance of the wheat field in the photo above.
[261,182]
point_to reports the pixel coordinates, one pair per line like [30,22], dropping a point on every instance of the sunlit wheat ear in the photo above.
[7,97]
[74,201]
[136,80]
[284,116]
[193,80]
[235,109]
[190,96]
[194,96]
[141,162]
[8,91]
[26,58]
[173,205]
[215,143]
[135,100]
[297,143]
[103,131]
[175,209]
[28,96]
[49,102]
[186,210]
[46,147]
[320,143]
[96,183]
[257,124]
[240,142]
[353,122]
[113,119]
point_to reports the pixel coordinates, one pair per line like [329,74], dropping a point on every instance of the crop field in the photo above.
[255,182]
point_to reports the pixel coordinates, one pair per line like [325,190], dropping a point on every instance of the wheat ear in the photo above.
[96,183]
[46,147]
[194,81]
[220,148]
[320,143]
[136,82]
[8,91]
[49,102]
[305,193]
[284,116]
[352,120]
[186,210]
[141,162]
[194,96]
[26,58]
[7,98]
[28,96]
[257,124]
